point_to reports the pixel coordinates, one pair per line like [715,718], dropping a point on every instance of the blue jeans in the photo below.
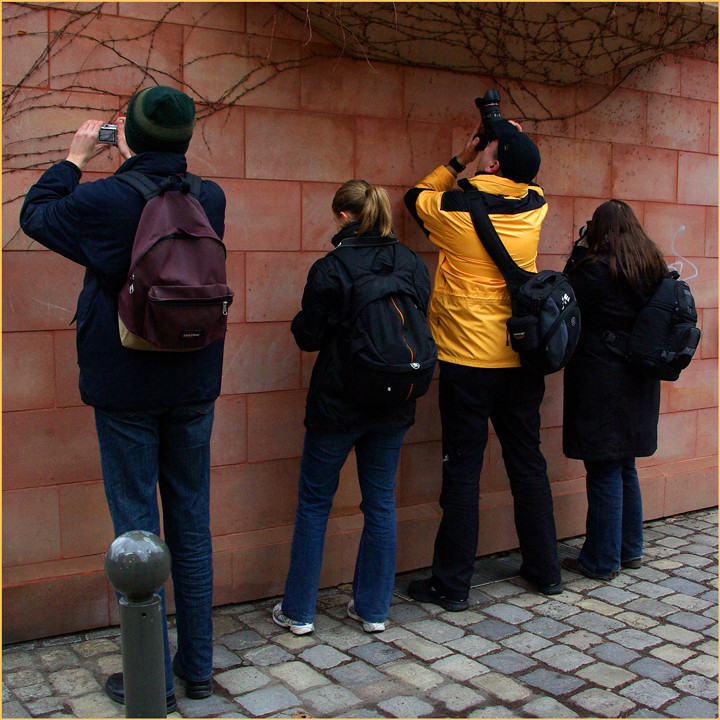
[324,454]
[167,448]
[614,527]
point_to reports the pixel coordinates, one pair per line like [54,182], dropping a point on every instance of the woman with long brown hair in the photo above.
[610,409]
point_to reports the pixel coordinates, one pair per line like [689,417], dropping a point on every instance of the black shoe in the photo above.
[542,588]
[633,564]
[115,690]
[194,689]
[573,565]
[423,591]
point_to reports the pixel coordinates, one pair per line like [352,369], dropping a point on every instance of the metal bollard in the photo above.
[137,564]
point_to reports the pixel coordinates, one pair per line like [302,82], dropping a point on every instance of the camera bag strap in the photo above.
[544,325]
[514,275]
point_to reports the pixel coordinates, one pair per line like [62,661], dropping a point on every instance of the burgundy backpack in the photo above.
[176,297]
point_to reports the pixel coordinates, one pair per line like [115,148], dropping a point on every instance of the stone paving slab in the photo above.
[642,645]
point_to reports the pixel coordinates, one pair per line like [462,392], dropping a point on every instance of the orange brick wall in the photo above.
[280,153]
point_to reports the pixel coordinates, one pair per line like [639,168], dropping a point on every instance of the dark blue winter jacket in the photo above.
[94,224]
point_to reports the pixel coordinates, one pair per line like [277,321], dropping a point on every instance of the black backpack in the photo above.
[386,352]
[664,337]
[545,324]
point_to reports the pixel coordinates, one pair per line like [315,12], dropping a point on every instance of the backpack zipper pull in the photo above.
[225,307]
[131,289]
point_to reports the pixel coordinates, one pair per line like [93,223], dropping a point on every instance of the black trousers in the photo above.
[511,398]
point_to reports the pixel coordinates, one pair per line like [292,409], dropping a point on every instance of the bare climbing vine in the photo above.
[518,44]
[23,98]
[522,46]
[26,102]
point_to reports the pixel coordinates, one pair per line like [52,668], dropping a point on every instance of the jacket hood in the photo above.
[348,236]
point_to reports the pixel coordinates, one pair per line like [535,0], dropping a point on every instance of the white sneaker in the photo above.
[369,627]
[295,627]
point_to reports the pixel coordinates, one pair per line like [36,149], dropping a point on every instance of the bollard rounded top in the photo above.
[137,564]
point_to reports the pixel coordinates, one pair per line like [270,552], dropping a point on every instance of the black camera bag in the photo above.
[545,324]
[664,337]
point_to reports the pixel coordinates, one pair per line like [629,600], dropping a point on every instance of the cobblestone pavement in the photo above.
[643,645]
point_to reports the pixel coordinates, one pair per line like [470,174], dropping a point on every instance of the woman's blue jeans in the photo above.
[170,449]
[323,456]
[614,527]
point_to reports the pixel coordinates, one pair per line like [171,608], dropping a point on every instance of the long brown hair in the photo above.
[365,202]
[616,234]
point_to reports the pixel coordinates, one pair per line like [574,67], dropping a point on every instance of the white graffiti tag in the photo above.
[680,263]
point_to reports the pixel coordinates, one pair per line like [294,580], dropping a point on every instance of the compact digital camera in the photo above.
[108,134]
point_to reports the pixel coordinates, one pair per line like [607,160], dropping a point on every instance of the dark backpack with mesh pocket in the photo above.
[664,337]
[176,297]
[387,354]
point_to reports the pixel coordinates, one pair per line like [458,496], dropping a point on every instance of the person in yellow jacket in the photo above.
[480,374]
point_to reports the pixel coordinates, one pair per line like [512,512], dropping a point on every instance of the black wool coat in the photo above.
[610,410]
[326,306]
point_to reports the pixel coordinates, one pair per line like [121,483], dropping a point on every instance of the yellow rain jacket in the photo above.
[470,304]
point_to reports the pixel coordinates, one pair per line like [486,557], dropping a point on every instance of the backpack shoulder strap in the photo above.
[191,184]
[618,341]
[136,180]
[514,275]
[194,185]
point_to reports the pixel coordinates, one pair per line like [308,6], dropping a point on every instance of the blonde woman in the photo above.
[337,419]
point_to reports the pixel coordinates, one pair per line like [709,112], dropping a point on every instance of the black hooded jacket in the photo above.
[324,318]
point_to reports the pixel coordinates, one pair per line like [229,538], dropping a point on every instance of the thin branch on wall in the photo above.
[21,100]
[561,43]
[520,47]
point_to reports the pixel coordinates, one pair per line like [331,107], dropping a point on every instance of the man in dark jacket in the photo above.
[153,410]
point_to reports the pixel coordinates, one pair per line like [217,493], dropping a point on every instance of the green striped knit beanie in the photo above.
[161,119]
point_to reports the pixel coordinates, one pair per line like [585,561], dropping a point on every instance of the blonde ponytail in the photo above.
[367,203]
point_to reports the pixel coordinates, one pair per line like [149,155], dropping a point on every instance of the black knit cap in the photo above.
[518,155]
[161,119]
